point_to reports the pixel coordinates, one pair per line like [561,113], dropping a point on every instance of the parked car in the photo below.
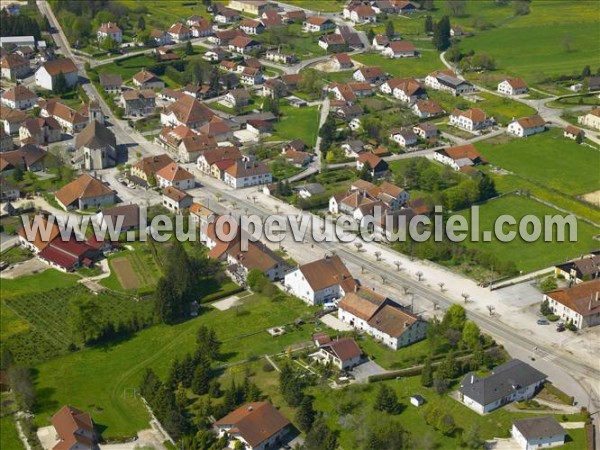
[560,328]
[543,322]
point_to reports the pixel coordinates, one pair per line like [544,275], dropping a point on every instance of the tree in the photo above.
[457,7]
[60,84]
[419,275]
[428,24]
[207,343]
[472,436]
[491,309]
[84,319]
[586,72]
[21,382]
[201,380]
[579,138]
[441,34]
[471,335]
[454,317]
[387,400]
[427,374]
[110,45]
[390,30]
[567,43]
[446,424]
[365,172]
[370,35]
[305,416]
[320,437]
[521,7]
[165,305]
[141,23]
[17,174]
[465,296]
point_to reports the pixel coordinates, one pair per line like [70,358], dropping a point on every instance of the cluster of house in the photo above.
[20,55]
[366,11]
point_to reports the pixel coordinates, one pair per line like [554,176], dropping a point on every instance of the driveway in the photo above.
[332,321]
[362,372]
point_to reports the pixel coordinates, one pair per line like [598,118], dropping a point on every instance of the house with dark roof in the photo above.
[138,103]
[581,269]
[29,157]
[344,354]
[111,83]
[85,192]
[96,147]
[377,167]
[127,217]
[447,80]
[320,281]
[257,426]
[427,108]
[14,66]
[369,74]
[579,304]
[538,432]
[512,381]
[145,79]
[40,131]
[379,316]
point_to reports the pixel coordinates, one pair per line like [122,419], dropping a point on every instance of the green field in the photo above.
[550,159]
[297,123]
[127,68]
[103,380]
[562,43]
[143,264]
[418,67]
[293,40]
[9,439]
[529,256]
[319,5]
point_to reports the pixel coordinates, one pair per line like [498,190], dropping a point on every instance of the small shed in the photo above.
[417,400]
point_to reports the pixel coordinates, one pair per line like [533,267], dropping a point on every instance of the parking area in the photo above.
[362,372]
[332,321]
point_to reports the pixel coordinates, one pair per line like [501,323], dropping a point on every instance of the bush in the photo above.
[268,367]
[552,317]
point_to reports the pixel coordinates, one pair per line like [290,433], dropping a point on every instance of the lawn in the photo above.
[355,404]
[295,41]
[319,5]
[419,67]
[15,255]
[529,256]
[562,43]
[549,159]
[127,68]
[9,438]
[395,359]
[103,380]
[297,123]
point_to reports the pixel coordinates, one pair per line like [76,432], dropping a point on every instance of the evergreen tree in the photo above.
[427,374]
[579,138]
[389,29]
[370,35]
[387,400]
[165,303]
[305,415]
[189,50]
[320,437]
[201,380]
[441,34]
[141,23]
[60,84]
[365,172]
[428,24]
[207,343]
[230,400]
[327,132]
[17,174]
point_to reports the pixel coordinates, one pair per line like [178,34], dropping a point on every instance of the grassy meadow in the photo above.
[297,123]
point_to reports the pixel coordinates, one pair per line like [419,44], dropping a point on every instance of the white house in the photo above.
[399,49]
[407,90]
[579,304]
[591,119]
[176,200]
[404,137]
[471,120]
[459,157]
[425,109]
[538,432]
[369,74]
[179,32]
[447,80]
[111,30]
[527,126]
[360,14]
[320,281]
[45,76]
[380,42]
[14,66]
[244,174]
[380,317]
[176,176]
[512,381]
[19,97]
[342,353]
[513,86]
[315,24]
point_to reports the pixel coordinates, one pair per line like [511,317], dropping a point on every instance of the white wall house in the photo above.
[45,76]
[579,304]
[527,126]
[470,120]
[513,86]
[111,30]
[538,432]
[245,174]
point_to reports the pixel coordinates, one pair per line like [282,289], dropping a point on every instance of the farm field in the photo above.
[297,123]
[103,380]
[132,270]
[562,44]
[163,13]
[547,158]
[529,256]
[418,67]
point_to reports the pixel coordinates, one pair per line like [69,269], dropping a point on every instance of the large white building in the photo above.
[513,86]
[471,120]
[527,126]
[45,76]
[320,281]
[591,119]
[512,381]
[579,304]
[538,432]
[244,174]
[375,314]
[447,80]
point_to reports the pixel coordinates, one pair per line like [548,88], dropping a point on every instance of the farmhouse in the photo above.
[447,80]
[74,430]
[360,13]
[342,61]
[427,108]
[425,130]
[111,83]
[399,49]
[320,281]
[513,86]
[11,119]
[250,26]
[407,90]
[84,192]
[40,131]
[223,37]
[210,157]
[471,120]
[160,37]
[138,103]
[538,432]
[342,353]
[147,80]
[14,66]
[244,174]
[218,129]
[282,58]
[310,189]
[251,76]
[45,76]
[258,426]
[19,97]
[28,158]
[315,24]
[38,239]
[404,7]
[6,142]
[579,304]
[369,74]
[175,200]
[127,217]
[460,157]
[380,42]
[238,98]
[591,119]
[110,30]
[572,132]
[509,382]
[580,269]
[176,176]
[226,16]
[332,42]
[243,45]
[179,32]
[385,320]
[527,126]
